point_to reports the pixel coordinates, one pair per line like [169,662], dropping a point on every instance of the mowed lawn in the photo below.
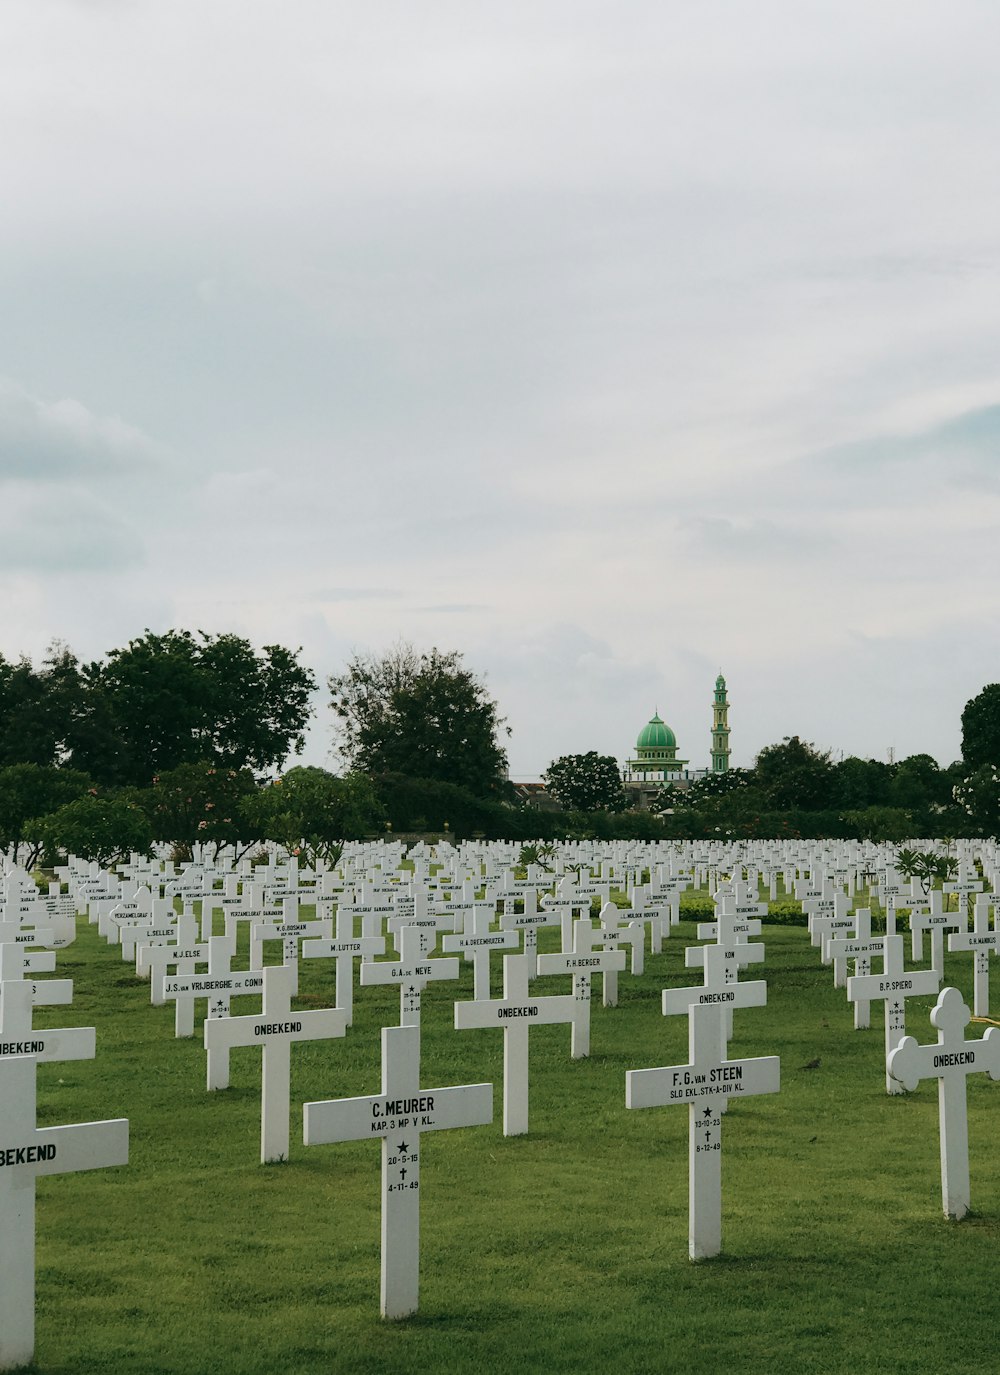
[565,1250]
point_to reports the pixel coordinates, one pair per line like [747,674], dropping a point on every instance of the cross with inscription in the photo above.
[568,903]
[937,921]
[397,1117]
[344,949]
[705,1084]
[218,985]
[515,1014]
[612,934]
[290,933]
[413,971]
[17,962]
[13,933]
[529,920]
[859,947]
[721,988]
[735,922]
[181,954]
[26,1152]
[950,1061]
[893,986]
[274,1030]
[583,962]
[984,941]
[18,1038]
[475,944]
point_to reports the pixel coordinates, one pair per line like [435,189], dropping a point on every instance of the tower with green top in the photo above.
[720,727]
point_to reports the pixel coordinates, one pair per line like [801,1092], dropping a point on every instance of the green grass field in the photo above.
[565,1250]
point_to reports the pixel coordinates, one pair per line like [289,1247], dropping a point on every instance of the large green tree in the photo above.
[313,811]
[981,729]
[29,792]
[39,707]
[422,715]
[588,782]
[796,774]
[173,699]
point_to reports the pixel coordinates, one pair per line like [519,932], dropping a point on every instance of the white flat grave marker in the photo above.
[274,1030]
[27,1151]
[950,1061]
[398,1116]
[705,1084]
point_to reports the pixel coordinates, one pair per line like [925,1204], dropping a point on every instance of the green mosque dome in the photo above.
[720,682]
[657,735]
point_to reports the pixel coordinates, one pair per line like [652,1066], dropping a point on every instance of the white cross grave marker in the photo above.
[54,1043]
[274,1030]
[344,949]
[984,940]
[860,947]
[218,985]
[515,1014]
[583,962]
[27,1151]
[397,1116]
[475,944]
[704,1084]
[894,985]
[413,971]
[950,1060]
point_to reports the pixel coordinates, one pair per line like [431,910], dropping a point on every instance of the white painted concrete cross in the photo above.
[397,1117]
[705,1084]
[529,920]
[893,986]
[583,962]
[290,931]
[218,985]
[27,1151]
[181,954]
[274,1030]
[17,962]
[515,1014]
[937,921]
[614,933]
[950,1061]
[984,941]
[859,947]
[18,1038]
[413,971]
[475,944]
[721,988]
[344,949]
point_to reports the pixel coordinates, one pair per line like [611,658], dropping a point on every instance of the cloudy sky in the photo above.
[607,343]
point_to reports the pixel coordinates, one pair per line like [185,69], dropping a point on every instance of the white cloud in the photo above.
[51,441]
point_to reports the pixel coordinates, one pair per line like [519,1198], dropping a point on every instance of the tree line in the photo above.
[179,737]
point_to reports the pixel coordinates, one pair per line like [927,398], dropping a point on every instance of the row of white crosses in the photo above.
[26,1150]
[952,1058]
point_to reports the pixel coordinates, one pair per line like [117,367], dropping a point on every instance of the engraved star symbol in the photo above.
[708,1112]
[403,1146]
